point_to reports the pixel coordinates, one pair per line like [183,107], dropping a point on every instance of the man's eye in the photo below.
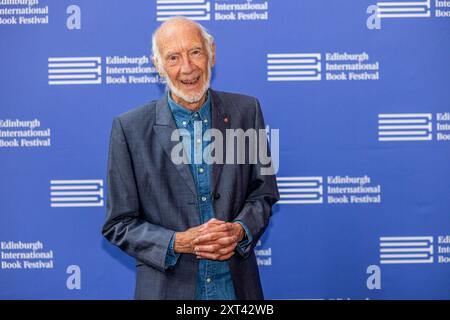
[172,58]
[196,52]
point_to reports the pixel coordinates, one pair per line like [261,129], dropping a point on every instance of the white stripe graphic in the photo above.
[405,127]
[296,189]
[298,178]
[406,239]
[315,78]
[99,204]
[290,73]
[74,193]
[429,249]
[403,244]
[73,76]
[194,9]
[206,6]
[179,13]
[428,138]
[404,9]
[283,61]
[384,121]
[406,133]
[65,65]
[317,201]
[412,255]
[89,193]
[428,126]
[69,59]
[64,82]
[62,199]
[72,187]
[406,261]
[178,1]
[74,70]
[400,9]
[294,67]
[99,181]
[97,70]
[294,55]
[406,250]
[297,184]
[311,193]
[405,115]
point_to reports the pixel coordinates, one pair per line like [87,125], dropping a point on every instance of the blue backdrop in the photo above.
[357,89]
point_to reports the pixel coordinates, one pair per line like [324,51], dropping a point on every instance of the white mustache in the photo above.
[192,98]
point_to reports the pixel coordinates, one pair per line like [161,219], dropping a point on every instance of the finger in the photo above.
[208,255]
[220,250]
[226,227]
[227,249]
[215,221]
[207,248]
[211,237]
[227,240]
[212,256]
[211,223]
[223,253]
[221,241]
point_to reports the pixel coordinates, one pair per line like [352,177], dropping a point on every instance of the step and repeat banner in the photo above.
[358,91]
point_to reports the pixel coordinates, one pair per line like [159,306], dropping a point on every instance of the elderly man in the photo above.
[191,226]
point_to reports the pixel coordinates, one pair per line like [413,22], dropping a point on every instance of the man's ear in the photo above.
[213,53]
[156,64]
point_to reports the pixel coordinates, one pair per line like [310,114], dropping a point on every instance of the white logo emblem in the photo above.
[404,127]
[293,66]
[406,250]
[193,9]
[300,190]
[74,70]
[76,193]
[403,9]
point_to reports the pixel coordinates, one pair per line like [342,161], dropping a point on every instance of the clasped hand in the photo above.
[213,240]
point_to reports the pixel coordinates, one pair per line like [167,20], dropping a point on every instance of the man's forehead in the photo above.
[179,36]
[180,43]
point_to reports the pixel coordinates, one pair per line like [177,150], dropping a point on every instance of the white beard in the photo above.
[193,97]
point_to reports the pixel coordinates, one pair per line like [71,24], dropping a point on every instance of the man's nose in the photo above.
[186,64]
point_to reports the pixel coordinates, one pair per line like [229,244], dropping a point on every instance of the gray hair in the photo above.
[207,38]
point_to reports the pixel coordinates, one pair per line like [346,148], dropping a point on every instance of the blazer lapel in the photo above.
[164,126]
[220,121]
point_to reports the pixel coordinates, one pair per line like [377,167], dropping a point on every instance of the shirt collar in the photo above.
[181,113]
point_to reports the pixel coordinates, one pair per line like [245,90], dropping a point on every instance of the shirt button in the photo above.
[199,141]
[203,199]
[196,115]
[184,123]
[205,121]
[201,170]
[208,280]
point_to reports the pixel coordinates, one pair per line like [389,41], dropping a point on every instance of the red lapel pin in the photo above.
[225,119]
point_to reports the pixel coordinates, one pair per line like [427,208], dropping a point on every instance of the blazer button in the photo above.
[216,195]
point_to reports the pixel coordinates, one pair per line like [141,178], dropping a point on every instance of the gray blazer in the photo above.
[149,197]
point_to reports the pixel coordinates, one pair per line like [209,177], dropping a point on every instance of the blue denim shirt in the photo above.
[214,278]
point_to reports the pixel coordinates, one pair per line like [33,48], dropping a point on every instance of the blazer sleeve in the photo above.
[263,193]
[124,227]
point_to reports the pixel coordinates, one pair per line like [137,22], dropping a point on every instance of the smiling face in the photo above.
[184,62]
